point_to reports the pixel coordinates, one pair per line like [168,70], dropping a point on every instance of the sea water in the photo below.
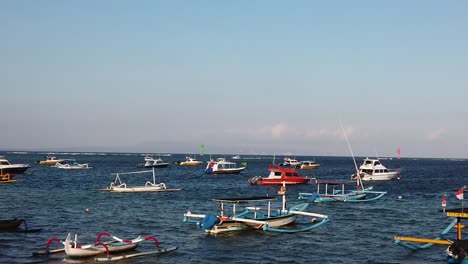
[56,200]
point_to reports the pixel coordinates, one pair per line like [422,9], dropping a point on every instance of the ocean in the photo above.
[55,201]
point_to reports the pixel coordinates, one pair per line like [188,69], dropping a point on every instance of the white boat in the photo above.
[221,166]
[236,157]
[189,161]
[8,168]
[150,162]
[72,166]
[308,165]
[290,162]
[373,170]
[73,250]
[118,186]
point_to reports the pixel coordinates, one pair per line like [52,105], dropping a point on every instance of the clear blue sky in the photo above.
[238,76]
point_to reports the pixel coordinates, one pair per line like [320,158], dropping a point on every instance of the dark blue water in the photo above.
[55,200]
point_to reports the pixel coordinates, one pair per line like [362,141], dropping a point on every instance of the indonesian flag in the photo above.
[444,201]
[459,194]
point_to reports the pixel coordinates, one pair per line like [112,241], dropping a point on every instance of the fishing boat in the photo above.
[373,170]
[221,166]
[118,186]
[72,166]
[50,160]
[189,161]
[9,168]
[288,162]
[308,165]
[278,175]
[253,217]
[336,192]
[150,162]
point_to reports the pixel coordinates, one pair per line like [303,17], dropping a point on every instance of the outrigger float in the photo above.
[117,245]
[118,186]
[457,251]
[335,192]
[255,217]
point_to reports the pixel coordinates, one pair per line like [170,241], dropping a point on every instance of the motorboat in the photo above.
[288,162]
[308,165]
[72,166]
[8,168]
[278,175]
[221,166]
[150,162]
[236,157]
[50,160]
[255,217]
[373,170]
[189,161]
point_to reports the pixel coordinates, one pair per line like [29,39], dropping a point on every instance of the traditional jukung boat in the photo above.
[457,249]
[336,192]
[117,245]
[72,166]
[118,186]
[221,166]
[255,217]
[50,160]
[279,175]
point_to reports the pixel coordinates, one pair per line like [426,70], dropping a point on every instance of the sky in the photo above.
[243,77]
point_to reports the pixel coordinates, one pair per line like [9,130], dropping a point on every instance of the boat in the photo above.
[373,170]
[150,162]
[290,162]
[10,223]
[236,157]
[50,160]
[9,168]
[118,186]
[6,178]
[72,166]
[335,192]
[253,217]
[308,165]
[189,161]
[221,166]
[278,175]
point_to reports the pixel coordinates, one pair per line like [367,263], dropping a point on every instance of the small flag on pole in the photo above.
[444,201]
[459,194]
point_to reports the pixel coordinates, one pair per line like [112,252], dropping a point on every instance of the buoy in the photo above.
[87,210]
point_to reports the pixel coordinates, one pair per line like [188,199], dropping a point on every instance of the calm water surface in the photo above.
[55,200]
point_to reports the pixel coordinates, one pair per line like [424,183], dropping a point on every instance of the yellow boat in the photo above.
[50,160]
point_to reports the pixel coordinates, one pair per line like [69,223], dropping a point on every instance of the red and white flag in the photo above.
[459,194]
[444,201]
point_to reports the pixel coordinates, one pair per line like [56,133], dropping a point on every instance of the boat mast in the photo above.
[359,180]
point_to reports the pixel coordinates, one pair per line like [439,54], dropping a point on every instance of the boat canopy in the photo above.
[245,199]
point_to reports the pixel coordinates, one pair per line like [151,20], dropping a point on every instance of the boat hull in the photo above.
[19,169]
[10,223]
[185,163]
[288,181]
[48,162]
[227,171]
[379,177]
[91,250]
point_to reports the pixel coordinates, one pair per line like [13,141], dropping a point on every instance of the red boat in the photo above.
[278,175]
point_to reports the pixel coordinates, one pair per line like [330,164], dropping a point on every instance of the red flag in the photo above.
[444,201]
[459,194]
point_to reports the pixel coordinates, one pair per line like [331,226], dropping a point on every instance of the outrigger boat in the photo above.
[12,224]
[117,245]
[72,166]
[255,217]
[457,251]
[335,192]
[118,186]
